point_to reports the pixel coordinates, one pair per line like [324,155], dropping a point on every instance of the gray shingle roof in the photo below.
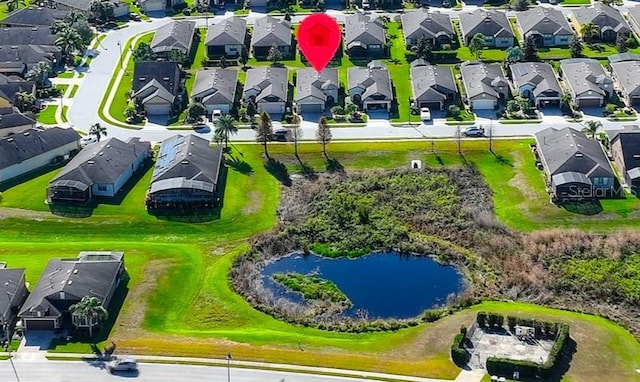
[82,5]
[628,75]
[230,31]
[269,81]
[480,78]
[626,56]
[603,16]
[76,278]
[544,20]
[310,83]
[569,150]
[485,22]
[585,76]
[11,281]
[28,55]
[422,23]
[432,83]
[33,17]
[103,162]
[634,14]
[174,35]
[360,30]
[215,86]
[189,159]
[27,36]
[269,30]
[17,148]
[9,87]
[630,145]
[538,74]
[374,79]
[156,78]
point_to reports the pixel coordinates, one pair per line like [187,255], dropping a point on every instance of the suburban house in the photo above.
[19,59]
[65,282]
[13,121]
[626,75]
[493,25]
[10,86]
[13,292]
[364,37]
[32,149]
[485,84]
[269,31]
[147,6]
[370,86]
[157,86]
[633,14]
[609,21]
[268,88]
[433,86]
[215,88]
[576,166]
[434,26]
[315,91]
[226,38]
[100,169]
[587,81]
[120,8]
[32,17]
[537,82]
[625,150]
[548,26]
[176,35]
[185,174]
[27,36]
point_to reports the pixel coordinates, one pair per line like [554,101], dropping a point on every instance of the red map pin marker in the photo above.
[319,38]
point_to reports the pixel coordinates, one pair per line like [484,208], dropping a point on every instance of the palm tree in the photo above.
[589,31]
[218,136]
[25,100]
[12,5]
[264,131]
[97,130]
[226,125]
[591,128]
[69,40]
[296,133]
[39,73]
[323,134]
[88,313]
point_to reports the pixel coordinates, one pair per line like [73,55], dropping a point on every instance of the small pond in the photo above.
[386,285]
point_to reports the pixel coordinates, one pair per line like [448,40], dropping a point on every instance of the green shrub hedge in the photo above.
[458,354]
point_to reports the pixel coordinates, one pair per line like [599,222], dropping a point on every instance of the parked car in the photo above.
[89,139]
[134,17]
[281,135]
[216,115]
[473,131]
[425,114]
[124,364]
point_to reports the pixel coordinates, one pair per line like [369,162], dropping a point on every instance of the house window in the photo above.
[233,49]
[564,38]
[375,46]
[548,36]
[102,187]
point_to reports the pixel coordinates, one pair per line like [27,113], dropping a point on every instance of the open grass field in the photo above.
[47,116]
[200,315]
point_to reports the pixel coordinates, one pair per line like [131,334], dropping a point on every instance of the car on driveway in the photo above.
[473,131]
[425,114]
[123,364]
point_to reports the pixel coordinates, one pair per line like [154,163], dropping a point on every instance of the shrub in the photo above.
[609,109]
[186,12]
[446,47]
[481,319]
[432,315]
[632,43]
[337,110]
[511,322]
[458,354]
[463,330]
[0,197]
[77,60]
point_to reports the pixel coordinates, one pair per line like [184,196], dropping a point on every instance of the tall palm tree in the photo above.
[69,40]
[591,128]
[264,131]
[88,313]
[226,125]
[98,130]
[589,31]
[12,5]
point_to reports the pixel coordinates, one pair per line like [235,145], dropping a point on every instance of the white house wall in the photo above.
[35,162]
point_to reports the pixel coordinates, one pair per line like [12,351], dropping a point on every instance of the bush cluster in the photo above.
[458,354]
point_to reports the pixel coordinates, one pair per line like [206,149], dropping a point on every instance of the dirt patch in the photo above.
[255,202]
[519,181]
[6,213]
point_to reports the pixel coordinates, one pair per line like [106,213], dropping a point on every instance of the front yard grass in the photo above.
[464,116]
[574,2]
[47,116]
[74,89]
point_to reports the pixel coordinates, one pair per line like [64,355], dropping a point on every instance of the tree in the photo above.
[69,40]
[296,133]
[565,101]
[103,10]
[178,56]
[453,111]
[458,137]
[591,128]
[251,109]
[88,313]
[514,54]
[98,130]
[477,44]
[226,124]
[143,53]
[218,136]
[244,56]
[12,5]
[323,134]
[423,49]
[350,109]
[530,49]
[130,113]
[195,110]
[84,30]
[590,32]
[621,43]
[575,47]
[73,17]
[25,101]
[521,5]
[264,131]
[275,55]
[39,73]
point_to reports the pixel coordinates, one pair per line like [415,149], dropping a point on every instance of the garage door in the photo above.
[589,103]
[483,104]
[311,108]
[271,107]
[376,106]
[40,324]
[223,108]
[157,109]
[153,5]
[431,105]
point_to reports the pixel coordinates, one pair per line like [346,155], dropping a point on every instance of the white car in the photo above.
[216,115]
[125,364]
[425,114]
[89,139]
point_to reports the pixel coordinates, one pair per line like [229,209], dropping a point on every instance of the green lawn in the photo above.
[514,27]
[65,109]
[74,89]
[68,74]
[62,88]
[47,116]
[399,70]
[575,2]
[464,116]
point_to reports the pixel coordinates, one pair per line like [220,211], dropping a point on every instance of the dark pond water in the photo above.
[386,285]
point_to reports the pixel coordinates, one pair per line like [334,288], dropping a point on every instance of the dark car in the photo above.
[281,135]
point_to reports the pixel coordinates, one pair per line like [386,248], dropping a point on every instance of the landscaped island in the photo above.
[312,287]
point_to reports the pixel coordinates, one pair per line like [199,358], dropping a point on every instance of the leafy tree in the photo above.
[73,17]
[323,134]
[251,109]
[25,101]
[575,47]
[39,73]
[244,56]
[591,128]
[242,113]
[178,56]
[514,54]
[226,124]
[607,2]
[84,30]
[275,55]
[88,313]
[530,49]
[521,5]
[98,130]
[477,44]
[350,108]
[264,131]
[130,113]
[69,41]
[590,32]
[103,10]
[195,110]
[423,49]
[621,43]
[12,5]
[453,111]
[296,133]
[143,53]
[565,101]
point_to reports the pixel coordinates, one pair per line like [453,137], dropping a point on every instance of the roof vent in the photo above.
[166,79]
[636,156]
[26,133]
[90,162]
[101,153]
[10,139]
[108,146]
[75,271]
[578,155]
[185,162]
[142,79]
[70,282]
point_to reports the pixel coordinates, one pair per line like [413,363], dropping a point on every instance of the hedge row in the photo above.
[458,354]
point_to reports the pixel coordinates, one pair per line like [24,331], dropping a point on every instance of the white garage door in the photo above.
[223,108]
[483,104]
[157,109]
[275,107]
